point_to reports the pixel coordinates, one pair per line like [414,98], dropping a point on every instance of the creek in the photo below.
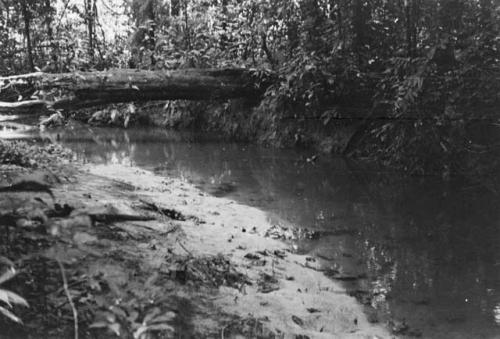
[414,248]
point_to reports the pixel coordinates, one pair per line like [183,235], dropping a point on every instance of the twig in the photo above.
[68,294]
[184,248]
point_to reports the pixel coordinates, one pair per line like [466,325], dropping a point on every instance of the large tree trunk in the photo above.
[90,20]
[27,33]
[85,89]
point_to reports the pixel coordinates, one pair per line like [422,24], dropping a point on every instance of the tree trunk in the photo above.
[87,89]
[223,41]
[340,23]
[411,18]
[143,40]
[89,18]
[187,34]
[407,5]
[359,20]
[52,66]
[266,50]
[27,33]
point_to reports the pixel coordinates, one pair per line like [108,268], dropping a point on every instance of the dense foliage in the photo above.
[413,83]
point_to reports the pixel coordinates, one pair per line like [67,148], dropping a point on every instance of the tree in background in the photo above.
[143,42]
[408,76]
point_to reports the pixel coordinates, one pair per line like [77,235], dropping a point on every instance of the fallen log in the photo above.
[86,89]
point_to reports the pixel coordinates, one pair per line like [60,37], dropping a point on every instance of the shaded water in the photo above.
[422,250]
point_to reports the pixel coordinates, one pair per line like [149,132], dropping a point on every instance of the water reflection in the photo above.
[9,117]
[11,130]
[426,251]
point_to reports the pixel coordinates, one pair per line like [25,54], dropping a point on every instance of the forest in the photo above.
[413,84]
[353,180]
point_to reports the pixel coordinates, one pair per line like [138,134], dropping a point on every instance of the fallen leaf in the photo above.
[297,320]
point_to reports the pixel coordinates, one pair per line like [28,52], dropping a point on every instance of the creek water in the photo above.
[424,253]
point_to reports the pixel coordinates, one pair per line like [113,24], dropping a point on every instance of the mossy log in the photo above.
[86,89]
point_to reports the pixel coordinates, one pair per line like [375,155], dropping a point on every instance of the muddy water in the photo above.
[425,254]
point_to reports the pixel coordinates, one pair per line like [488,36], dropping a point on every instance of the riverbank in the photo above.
[143,253]
[333,134]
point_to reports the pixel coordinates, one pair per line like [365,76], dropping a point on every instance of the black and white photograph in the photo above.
[263,169]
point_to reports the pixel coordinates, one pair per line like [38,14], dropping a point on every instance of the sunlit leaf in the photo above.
[115,328]
[126,121]
[109,316]
[99,324]
[10,315]
[6,261]
[140,331]
[160,327]
[151,314]
[133,316]
[118,311]
[164,317]
[7,275]
[12,298]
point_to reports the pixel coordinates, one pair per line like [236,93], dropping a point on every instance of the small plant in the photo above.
[119,321]
[8,298]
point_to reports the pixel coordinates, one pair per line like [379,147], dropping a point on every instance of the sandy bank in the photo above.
[154,257]
[285,295]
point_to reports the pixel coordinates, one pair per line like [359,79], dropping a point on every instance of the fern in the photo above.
[7,298]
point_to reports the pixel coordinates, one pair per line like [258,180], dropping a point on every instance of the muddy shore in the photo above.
[153,257]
